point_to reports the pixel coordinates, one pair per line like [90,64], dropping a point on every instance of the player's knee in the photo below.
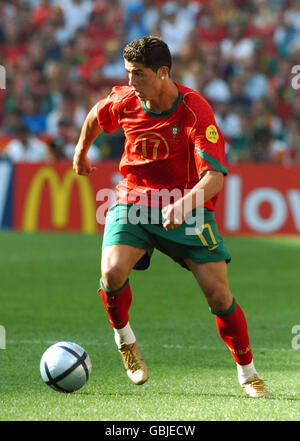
[114,276]
[219,298]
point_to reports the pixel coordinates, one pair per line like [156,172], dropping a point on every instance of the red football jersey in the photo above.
[168,150]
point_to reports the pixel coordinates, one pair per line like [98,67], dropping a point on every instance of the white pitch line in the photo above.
[164,346]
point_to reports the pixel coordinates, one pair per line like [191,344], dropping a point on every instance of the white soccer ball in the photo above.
[65,366]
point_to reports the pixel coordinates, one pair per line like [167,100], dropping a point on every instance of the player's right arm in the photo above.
[103,116]
[89,132]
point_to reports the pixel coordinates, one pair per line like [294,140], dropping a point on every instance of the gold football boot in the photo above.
[255,387]
[135,366]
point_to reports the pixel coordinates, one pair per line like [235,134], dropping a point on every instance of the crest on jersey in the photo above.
[174,130]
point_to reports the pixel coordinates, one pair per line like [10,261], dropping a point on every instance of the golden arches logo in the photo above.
[60,192]
[151,141]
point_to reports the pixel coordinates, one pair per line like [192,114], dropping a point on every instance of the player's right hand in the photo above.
[82,165]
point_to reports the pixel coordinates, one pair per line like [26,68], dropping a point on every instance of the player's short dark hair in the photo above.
[150,51]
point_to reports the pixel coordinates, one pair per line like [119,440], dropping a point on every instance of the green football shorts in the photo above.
[141,227]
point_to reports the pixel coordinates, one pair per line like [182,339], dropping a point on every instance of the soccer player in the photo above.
[172,147]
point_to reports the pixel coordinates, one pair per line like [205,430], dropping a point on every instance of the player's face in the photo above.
[144,80]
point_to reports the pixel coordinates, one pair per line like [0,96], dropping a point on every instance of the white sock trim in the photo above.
[125,334]
[245,372]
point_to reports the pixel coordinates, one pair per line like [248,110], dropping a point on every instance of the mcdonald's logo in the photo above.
[60,196]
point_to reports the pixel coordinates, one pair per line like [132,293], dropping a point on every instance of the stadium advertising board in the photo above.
[256,199]
[6,198]
[53,197]
[260,199]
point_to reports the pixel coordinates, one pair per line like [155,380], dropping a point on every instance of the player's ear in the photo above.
[163,72]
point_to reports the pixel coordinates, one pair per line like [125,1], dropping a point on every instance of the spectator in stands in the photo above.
[13,121]
[26,147]
[187,13]
[284,35]
[240,147]
[93,155]
[280,152]
[236,46]
[134,23]
[233,51]
[76,15]
[114,68]
[191,74]
[173,31]
[264,17]
[34,118]
[14,44]
[42,14]
[292,138]
[255,81]
[57,78]
[47,40]
[61,139]
[228,120]
[292,14]
[68,109]
[152,16]
[101,27]
[63,144]
[238,99]
[216,89]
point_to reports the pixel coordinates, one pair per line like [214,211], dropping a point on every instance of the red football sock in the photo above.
[232,328]
[117,304]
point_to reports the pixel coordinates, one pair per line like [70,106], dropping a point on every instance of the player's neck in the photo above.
[164,100]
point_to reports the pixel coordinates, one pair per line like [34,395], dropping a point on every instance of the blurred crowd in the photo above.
[61,57]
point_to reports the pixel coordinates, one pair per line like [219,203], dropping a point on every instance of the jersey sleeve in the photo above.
[209,143]
[107,112]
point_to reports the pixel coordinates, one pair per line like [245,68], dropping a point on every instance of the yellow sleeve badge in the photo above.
[212,134]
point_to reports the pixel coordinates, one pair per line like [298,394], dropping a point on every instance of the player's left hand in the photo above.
[173,216]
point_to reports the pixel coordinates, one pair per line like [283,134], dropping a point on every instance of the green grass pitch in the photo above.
[49,293]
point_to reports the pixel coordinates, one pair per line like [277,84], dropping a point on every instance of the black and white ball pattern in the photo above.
[65,366]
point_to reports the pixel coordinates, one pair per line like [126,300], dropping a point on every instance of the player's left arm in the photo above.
[209,156]
[210,184]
